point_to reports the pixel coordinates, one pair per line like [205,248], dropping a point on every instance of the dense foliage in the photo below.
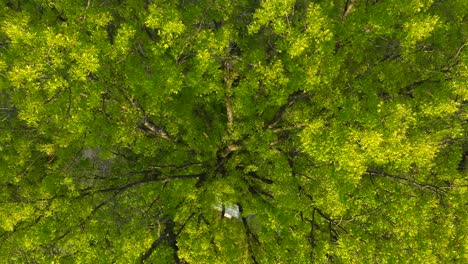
[337,130]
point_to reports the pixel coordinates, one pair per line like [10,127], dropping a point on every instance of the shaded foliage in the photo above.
[337,128]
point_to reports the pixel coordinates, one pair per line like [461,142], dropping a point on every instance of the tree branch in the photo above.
[146,124]
[455,59]
[184,224]
[347,9]
[282,110]
[409,88]
[153,247]
[149,126]
[88,191]
[249,234]
[228,80]
[83,221]
[430,187]
[161,179]
[255,176]
[230,116]
[169,236]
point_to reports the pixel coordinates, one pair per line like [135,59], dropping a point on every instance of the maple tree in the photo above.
[327,131]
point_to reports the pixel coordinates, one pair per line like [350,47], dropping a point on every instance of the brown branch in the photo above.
[330,221]
[282,129]
[172,240]
[455,58]
[347,10]
[228,80]
[256,190]
[153,247]
[173,166]
[222,155]
[324,216]
[409,88]
[184,224]
[146,124]
[249,234]
[164,236]
[255,176]
[282,110]
[149,126]
[157,179]
[148,173]
[83,221]
[430,187]
[312,229]
[230,116]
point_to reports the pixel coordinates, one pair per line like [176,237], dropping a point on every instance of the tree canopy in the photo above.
[331,131]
